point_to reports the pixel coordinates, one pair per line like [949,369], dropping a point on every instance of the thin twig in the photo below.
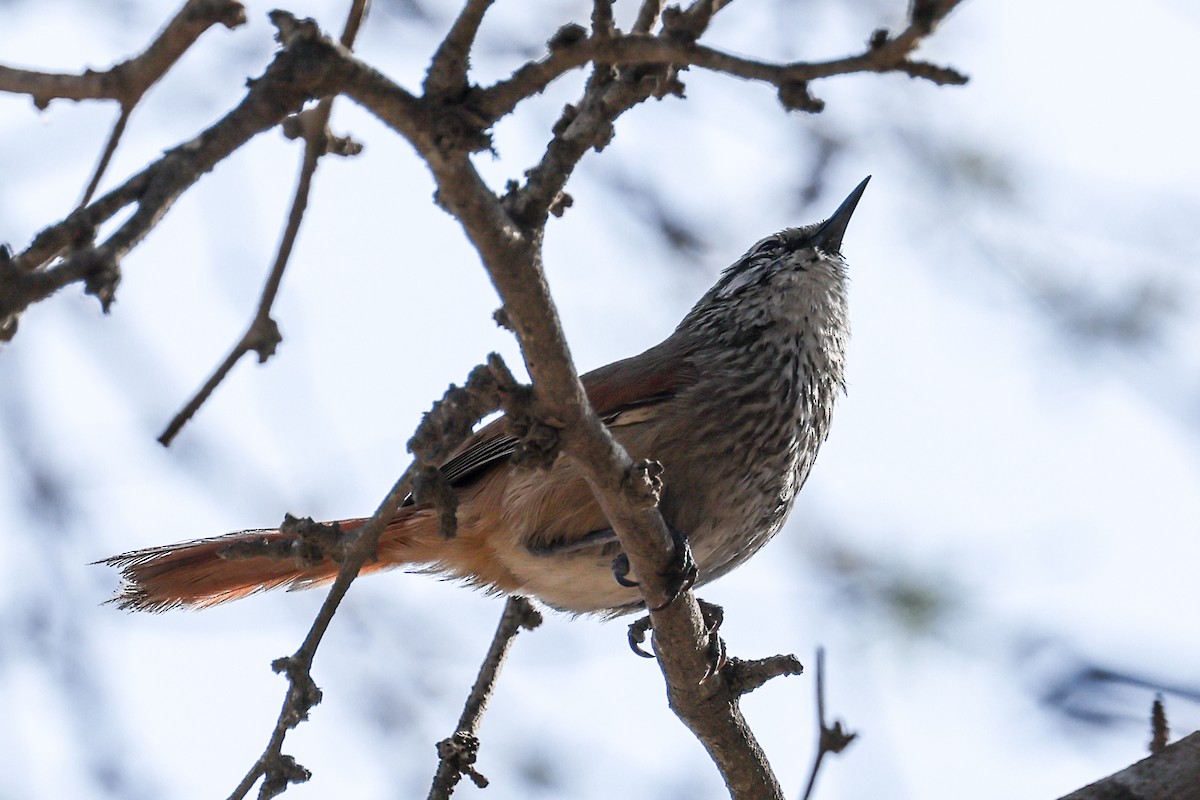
[110,147]
[602,18]
[154,190]
[354,22]
[886,54]
[446,426]
[262,335]
[128,81]
[302,692]
[1160,733]
[647,17]
[458,752]
[829,740]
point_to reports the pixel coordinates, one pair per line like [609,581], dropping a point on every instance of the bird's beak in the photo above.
[828,236]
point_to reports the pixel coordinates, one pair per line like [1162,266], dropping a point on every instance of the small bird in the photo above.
[734,405]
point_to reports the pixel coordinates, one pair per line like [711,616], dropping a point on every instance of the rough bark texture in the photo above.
[1173,774]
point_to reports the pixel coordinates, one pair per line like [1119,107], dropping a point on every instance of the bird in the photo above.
[734,405]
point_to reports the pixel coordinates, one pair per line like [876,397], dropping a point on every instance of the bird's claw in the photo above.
[713,616]
[637,635]
[682,572]
[620,568]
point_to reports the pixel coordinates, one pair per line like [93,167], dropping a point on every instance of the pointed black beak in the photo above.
[828,236]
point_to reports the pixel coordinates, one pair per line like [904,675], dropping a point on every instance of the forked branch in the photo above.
[446,124]
[457,754]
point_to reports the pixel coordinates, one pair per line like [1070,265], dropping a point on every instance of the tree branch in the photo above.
[1172,774]
[458,752]
[829,740]
[510,249]
[446,426]
[297,73]
[128,81]
[884,54]
[262,336]
[447,75]
[110,147]
[446,126]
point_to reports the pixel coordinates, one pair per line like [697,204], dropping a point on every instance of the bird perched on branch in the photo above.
[734,405]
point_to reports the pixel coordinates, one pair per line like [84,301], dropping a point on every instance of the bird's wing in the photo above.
[625,392]
[622,393]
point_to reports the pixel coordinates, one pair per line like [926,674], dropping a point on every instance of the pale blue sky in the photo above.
[1047,484]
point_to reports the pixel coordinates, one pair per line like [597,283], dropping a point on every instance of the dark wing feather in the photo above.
[486,446]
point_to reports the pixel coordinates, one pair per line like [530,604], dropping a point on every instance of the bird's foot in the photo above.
[712,614]
[637,635]
[680,574]
[620,568]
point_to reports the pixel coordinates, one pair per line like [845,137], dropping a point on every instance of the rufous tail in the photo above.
[205,572]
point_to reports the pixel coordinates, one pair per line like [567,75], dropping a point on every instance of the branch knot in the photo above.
[263,337]
[794,96]
[459,753]
[102,274]
[644,483]
[289,30]
[431,486]
[567,36]
[303,693]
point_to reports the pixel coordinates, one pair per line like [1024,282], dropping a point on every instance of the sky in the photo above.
[997,544]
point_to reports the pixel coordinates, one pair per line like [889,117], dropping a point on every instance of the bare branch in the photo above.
[884,54]
[447,75]
[457,753]
[746,676]
[829,740]
[647,16]
[110,147]
[602,18]
[276,768]
[128,81]
[447,125]
[1173,774]
[262,336]
[446,425]
[1160,733]
[512,256]
[295,75]
[354,22]
[438,130]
